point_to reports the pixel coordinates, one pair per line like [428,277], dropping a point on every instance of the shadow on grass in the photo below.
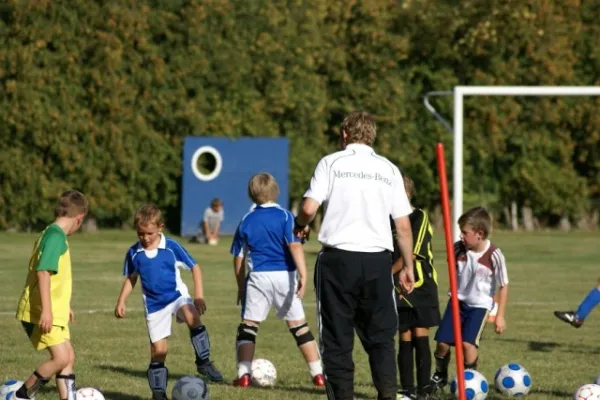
[120,396]
[552,392]
[305,390]
[547,347]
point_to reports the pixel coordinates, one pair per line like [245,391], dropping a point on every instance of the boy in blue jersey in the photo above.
[156,260]
[576,318]
[276,277]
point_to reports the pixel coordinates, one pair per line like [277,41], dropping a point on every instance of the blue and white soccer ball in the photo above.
[190,388]
[513,380]
[476,386]
[9,386]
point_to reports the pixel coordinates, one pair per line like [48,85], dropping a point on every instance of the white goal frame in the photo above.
[459,94]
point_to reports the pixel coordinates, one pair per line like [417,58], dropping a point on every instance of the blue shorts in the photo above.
[472,320]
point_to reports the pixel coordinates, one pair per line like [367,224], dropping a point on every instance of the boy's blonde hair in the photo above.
[71,204]
[478,219]
[148,214]
[360,128]
[409,187]
[263,188]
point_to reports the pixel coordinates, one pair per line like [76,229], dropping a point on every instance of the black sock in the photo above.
[441,363]
[30,393]
[472,365]
[405,365]
[423,357]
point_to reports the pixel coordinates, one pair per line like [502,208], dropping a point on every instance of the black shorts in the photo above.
[417,317]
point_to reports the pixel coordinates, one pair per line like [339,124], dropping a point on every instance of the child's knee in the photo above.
[301,333]
[159,350]
[442,349]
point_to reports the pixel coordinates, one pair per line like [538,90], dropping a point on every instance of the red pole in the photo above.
[460,368]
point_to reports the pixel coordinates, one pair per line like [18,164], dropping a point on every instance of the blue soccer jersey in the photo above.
[263,237]
[159,272]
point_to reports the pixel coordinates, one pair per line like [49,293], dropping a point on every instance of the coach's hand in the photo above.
[407,280]
[200,305]
[46,321]
[120,310]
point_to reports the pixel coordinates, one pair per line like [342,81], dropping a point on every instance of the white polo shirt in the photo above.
[359,191]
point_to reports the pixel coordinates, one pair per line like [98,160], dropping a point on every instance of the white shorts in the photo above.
[159,322]
[266,289]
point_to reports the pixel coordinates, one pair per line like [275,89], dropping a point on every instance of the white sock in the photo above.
[315,368]
[244,367]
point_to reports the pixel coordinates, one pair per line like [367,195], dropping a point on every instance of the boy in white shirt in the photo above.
[480,269]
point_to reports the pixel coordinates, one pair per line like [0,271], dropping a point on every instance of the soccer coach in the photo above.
[359,190]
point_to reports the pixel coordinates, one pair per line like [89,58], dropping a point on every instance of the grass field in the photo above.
[547,271]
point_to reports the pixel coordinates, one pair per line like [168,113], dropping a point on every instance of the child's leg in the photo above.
[405,361]
[587,305]
[157,373]
[56,343]
[444,338]
[470,354]
[245,344]
[420,341]
[200,342]
[307,345]
[65,379]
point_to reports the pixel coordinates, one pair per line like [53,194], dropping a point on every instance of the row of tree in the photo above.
[98,95]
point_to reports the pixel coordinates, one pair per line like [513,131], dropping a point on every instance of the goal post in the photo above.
[459,93]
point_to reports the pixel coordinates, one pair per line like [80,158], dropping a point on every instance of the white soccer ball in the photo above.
[213,242]
[476,386]
[588,392]
[263,372]
[190,388]
[89,393]
[10,386]
[513,380]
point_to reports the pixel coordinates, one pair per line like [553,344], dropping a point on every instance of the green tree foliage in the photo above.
[99,95]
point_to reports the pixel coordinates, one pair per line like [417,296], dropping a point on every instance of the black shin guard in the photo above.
[70,384]
[30,393]
[423,359]
[158,375]
[201,344]
[441,363]
[406,366]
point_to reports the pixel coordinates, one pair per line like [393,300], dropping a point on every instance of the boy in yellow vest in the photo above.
[45,305]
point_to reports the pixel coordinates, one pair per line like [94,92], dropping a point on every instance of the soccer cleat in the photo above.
[439,380]
[13,396]
[319,380]
[244,381]
[210,372]
[405,394]
[159,395]
[569,317]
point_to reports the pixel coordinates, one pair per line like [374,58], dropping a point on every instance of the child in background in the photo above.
[156,260]
[211,222]
[480,269]
[277,276]
[419,310]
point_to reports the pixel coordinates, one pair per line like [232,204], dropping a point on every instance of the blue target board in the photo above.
[216,167]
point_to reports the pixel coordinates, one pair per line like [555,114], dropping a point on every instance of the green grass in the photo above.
[547,271]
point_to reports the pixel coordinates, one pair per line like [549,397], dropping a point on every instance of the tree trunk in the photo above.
[90,225]
[564,225]
[506,216]
[514,220]
[528,222]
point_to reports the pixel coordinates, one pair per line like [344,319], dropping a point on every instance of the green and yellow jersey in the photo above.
[50,253]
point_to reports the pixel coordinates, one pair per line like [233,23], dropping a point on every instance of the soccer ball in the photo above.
[89,394]
[400,396]
[10,386]
[190,388]
[476,386]
[213,242]
[513,380]
[588,392]
[263,372]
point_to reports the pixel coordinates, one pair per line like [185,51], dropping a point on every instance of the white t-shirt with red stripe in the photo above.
[479,274]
